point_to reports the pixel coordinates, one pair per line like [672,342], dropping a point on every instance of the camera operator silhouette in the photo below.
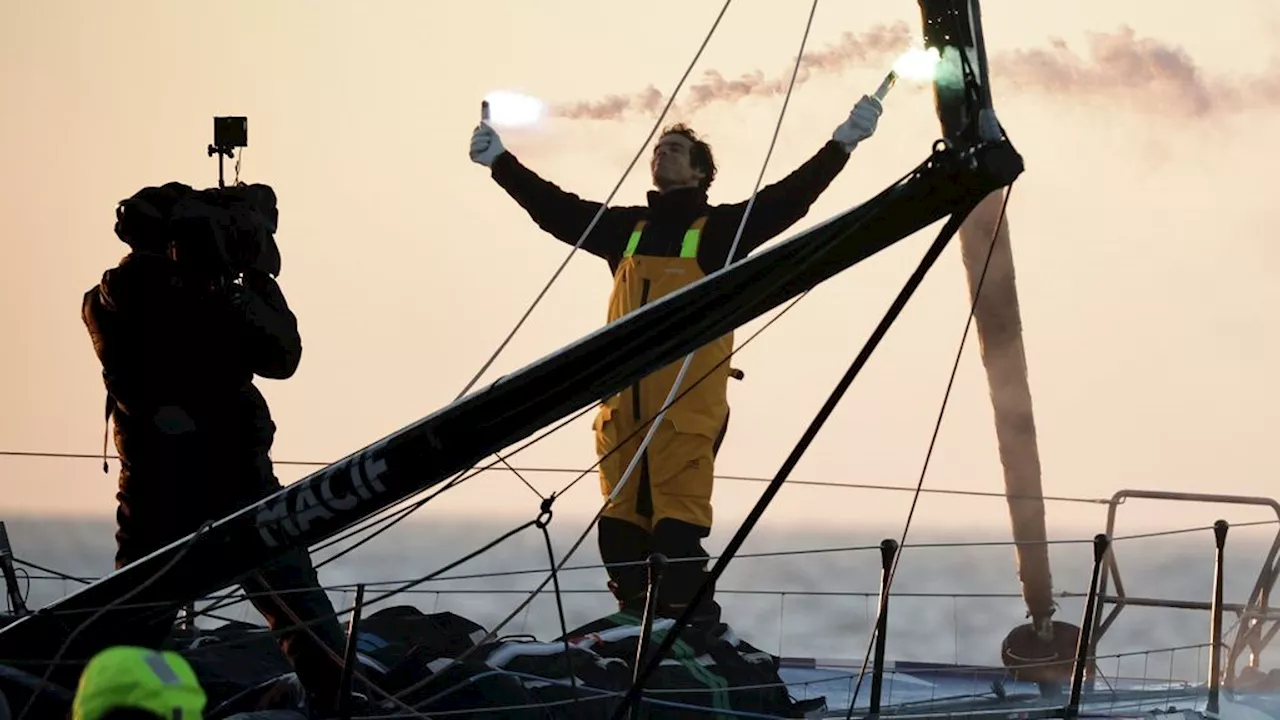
[181,326]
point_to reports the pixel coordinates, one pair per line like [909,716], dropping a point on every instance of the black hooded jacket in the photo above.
[170,348]
[777,207]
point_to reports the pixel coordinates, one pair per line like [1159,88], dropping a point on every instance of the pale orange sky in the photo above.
[1144,249]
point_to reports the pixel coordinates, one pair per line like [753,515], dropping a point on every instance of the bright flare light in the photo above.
[512,109]
[916,64]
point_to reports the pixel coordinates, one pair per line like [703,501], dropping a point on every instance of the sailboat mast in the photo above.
[1000,340]
[965,113]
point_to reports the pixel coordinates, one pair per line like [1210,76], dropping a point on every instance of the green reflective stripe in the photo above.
[634,242]
[689,246]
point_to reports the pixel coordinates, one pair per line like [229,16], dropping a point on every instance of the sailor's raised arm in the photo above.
[782,204]
[562,214]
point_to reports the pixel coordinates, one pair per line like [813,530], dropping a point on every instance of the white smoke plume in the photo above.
[1136,71]
[875,47]
[1129,70]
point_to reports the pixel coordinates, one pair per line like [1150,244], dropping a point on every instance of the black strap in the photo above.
[106,427]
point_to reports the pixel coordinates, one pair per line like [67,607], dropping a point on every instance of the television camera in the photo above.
[216,234]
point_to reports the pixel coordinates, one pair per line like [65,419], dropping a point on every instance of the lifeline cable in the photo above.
[476,470]
[913,282]
[768,554]
[893,569]
[775,553]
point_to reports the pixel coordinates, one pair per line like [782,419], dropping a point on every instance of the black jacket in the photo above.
[777,207]
[164,343]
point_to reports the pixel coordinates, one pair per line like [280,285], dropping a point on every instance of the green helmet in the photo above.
[159,682]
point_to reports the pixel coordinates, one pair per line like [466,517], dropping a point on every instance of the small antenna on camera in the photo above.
[229,132]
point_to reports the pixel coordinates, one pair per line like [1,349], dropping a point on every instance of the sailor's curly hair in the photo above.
[700,156]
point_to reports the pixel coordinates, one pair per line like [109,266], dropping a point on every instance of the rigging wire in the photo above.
[55,575]
[66,644]
[397,516]
[937,427]
[391,516]
[308,625]
[231,599]
[677,383]
[817,256]
[575,547]
[395,700]
[600,212]
[476,470]
[590,226]
[555,579]
[797,452]
[404,512]
[622,443]
[674,393]
[970,83]
[867,548]
[578,543]
[937,545]
[729,260]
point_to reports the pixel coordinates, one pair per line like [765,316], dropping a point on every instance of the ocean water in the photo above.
[795,591]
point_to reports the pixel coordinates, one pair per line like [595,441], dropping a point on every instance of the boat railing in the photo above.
[220,608]
[1122,691]
[1257,622]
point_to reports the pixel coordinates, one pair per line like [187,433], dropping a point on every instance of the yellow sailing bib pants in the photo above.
[673,480]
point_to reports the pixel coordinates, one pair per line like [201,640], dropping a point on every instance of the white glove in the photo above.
[486,146]
[861,123]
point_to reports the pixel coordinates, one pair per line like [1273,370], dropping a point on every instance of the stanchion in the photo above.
[657,566]
[1072,711]
[1215,619]
[888,549]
